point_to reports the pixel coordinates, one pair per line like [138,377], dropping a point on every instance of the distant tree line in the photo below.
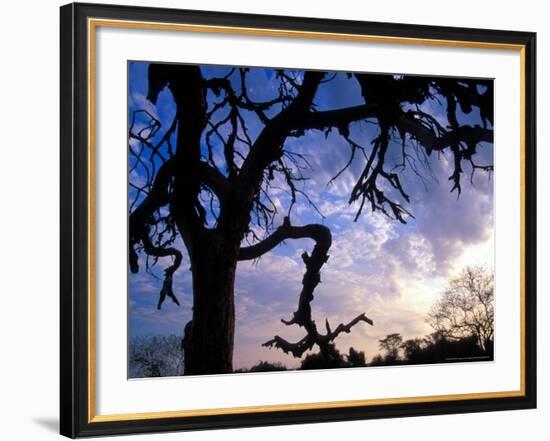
[463,321]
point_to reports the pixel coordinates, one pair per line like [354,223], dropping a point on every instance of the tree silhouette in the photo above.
[413,349]
[331,358]
[391,345]
[466,308]
[263,366]
[356,358]
[436,348]
[155,356]
[210,177]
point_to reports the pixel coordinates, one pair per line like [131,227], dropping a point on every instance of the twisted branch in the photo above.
[312,277]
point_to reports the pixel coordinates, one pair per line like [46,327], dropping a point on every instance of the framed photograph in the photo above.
[272,220]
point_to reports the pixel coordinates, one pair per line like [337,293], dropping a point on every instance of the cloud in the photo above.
[449,223]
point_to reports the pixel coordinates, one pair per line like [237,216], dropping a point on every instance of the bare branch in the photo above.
[312,277]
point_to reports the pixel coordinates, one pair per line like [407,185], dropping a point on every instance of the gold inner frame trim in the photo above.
[264,32]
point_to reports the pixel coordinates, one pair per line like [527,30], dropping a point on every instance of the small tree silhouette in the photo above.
[356,358]
[466,308]
[332,358]
[155,356]
[391,345]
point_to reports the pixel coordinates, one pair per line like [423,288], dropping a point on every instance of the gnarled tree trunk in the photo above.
[209,338]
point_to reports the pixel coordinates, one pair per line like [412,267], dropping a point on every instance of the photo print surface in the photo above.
[284,219]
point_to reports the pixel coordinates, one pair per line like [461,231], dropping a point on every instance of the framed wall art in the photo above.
[273,220]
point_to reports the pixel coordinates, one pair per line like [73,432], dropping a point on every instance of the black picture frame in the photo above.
[76,418]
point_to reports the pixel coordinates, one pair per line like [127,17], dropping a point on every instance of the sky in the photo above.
[391,271]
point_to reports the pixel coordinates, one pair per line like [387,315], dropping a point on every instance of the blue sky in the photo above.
[391,271]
